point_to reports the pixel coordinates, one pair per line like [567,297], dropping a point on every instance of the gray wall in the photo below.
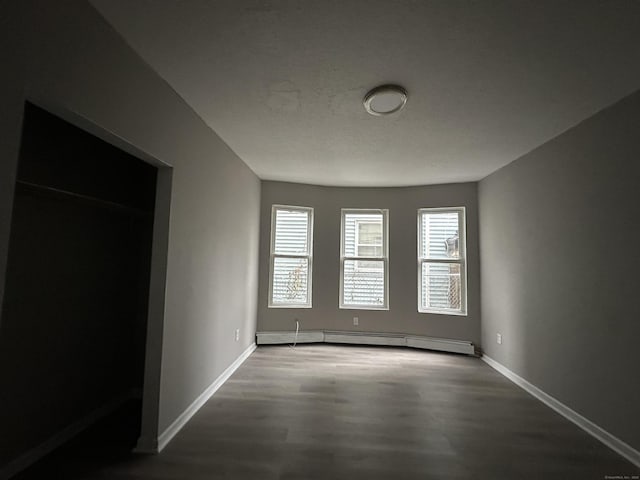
[402,316]
[559,246]
[64,57]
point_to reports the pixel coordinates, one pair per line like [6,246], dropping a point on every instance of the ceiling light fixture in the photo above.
[385,100]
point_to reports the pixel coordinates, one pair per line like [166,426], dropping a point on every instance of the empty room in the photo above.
[264,239]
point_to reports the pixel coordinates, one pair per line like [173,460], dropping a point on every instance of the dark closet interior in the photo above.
[73,327]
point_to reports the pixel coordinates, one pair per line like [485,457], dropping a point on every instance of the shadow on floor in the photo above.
[109,441]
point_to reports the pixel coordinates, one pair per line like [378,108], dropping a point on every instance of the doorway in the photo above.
[74,316]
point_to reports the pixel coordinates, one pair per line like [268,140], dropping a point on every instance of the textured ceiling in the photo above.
[282,82]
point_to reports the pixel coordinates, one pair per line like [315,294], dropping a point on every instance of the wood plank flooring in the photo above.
[345,412]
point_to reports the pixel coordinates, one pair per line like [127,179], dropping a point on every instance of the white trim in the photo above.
[61,437]
[611,441]
[171,431]
[308,256]
[367,338]
[454,313]
[462,261]
[384,258]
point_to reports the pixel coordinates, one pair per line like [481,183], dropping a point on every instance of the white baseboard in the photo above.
[366,338]
[32,456]
[617,445]
[171,431]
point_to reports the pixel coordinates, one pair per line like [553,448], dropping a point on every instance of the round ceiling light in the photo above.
[385,100]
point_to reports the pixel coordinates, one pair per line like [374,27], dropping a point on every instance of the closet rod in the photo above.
[80,196]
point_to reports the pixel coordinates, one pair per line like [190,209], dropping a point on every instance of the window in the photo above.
[291,257]
[442,261]
[364,260]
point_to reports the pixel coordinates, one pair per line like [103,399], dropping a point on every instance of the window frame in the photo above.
[462,260]
[308,255]
[384,258]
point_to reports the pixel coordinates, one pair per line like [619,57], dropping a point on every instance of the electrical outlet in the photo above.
[356,321]
[499,338]
[237,334]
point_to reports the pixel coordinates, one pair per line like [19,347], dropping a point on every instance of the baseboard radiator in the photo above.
[366,338]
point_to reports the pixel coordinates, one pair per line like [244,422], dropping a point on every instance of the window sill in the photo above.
[289,306]
[445,312]
[362,307]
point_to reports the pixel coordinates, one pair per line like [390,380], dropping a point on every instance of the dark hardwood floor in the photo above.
[343,412]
